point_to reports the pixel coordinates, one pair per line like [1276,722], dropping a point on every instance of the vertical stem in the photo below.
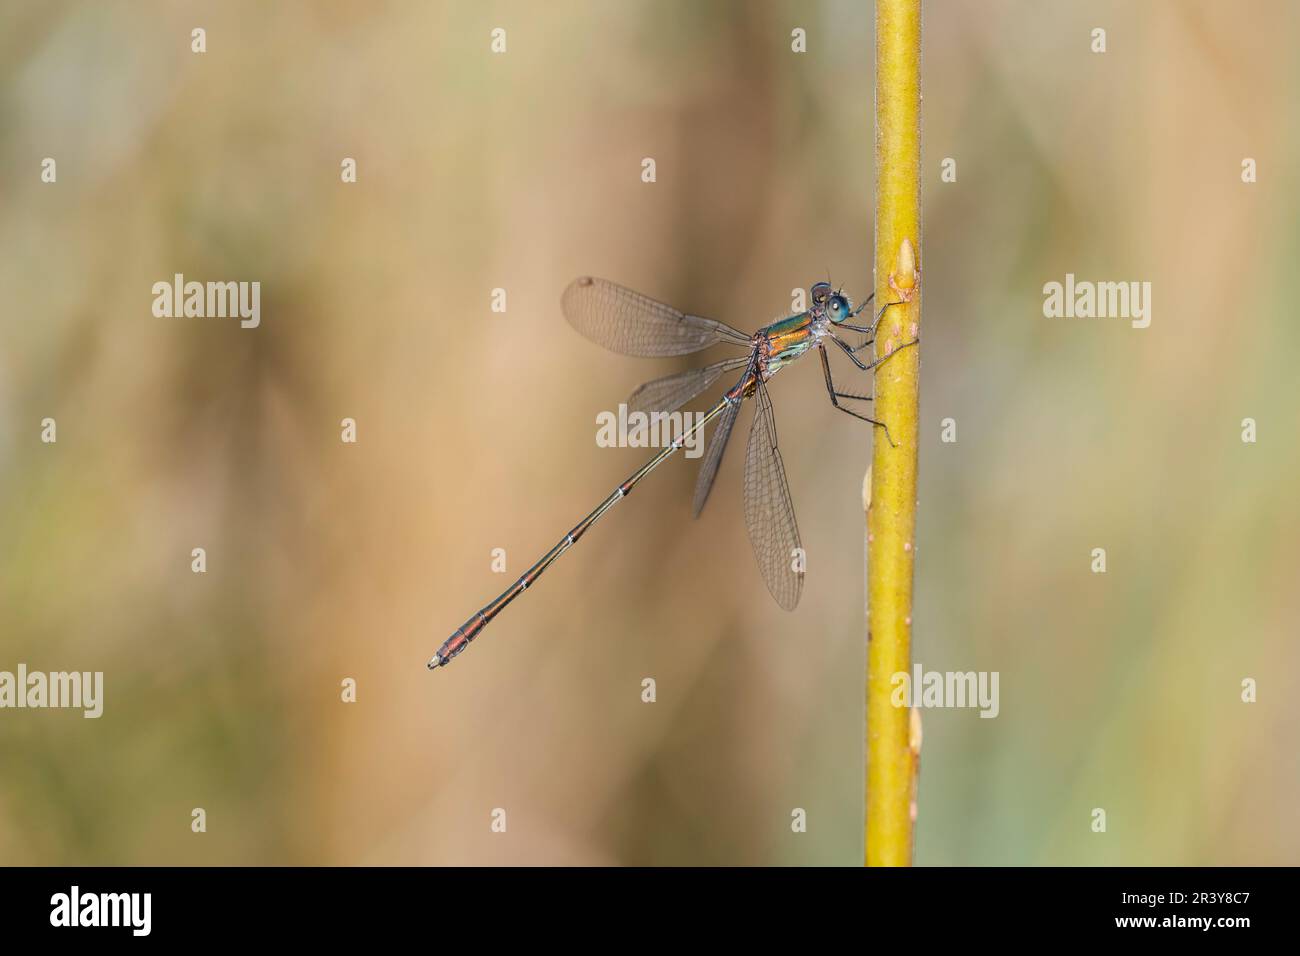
[891,514]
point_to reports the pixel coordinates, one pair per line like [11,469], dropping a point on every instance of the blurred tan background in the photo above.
[476,431]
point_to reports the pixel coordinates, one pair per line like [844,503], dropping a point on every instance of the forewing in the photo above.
[769,512]
[671,392]
[713,456]
[634,324]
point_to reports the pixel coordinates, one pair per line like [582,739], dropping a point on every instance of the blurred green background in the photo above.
[476,431]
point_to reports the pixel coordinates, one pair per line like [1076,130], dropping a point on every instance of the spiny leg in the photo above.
[837,395]
[866,367]
[863,305]
[868,330]
[830,384]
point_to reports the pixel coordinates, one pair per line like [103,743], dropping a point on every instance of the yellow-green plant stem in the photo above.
[891,513]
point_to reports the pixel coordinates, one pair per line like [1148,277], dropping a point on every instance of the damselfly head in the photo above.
[838,307]
[830,302]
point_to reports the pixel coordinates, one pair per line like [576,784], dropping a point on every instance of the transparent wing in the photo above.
[713,457]
[769,512]
[671,392]
[634,324]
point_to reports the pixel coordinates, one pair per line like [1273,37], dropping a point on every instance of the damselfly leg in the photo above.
[836,395]
[868,366]
[868,330]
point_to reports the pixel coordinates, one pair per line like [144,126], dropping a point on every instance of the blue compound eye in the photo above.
[838,305]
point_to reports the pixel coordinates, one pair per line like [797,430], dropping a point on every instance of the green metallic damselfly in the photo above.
[633,324]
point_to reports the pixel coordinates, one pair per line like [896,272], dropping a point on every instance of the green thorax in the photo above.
[788,339]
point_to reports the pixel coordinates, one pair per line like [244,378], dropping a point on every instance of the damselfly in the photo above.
[625,321]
